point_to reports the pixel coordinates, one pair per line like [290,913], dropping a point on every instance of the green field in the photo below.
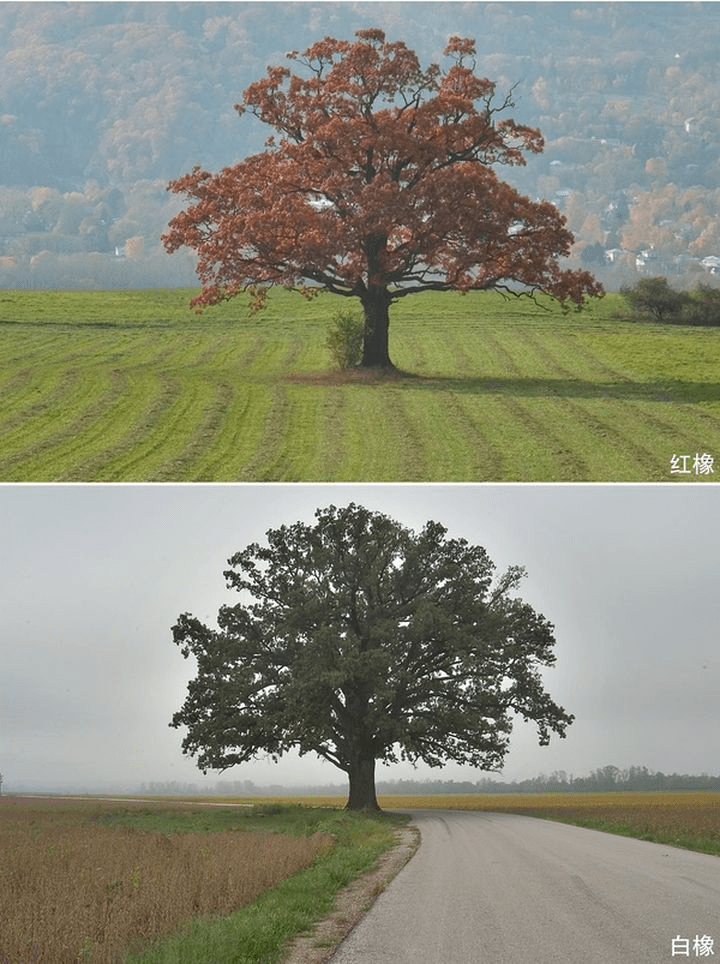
[132,386]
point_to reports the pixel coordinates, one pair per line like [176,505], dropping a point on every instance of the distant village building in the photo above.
[711,264]
[686,261]
[646,260]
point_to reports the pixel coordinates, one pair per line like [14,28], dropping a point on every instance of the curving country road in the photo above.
[491,888]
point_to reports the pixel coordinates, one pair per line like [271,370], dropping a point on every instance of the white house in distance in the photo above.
[711,264]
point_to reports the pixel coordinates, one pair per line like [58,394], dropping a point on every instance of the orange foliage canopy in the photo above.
[379,186]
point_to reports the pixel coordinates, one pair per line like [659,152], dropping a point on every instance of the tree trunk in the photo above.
[362,785]
[376,308]
[375,299]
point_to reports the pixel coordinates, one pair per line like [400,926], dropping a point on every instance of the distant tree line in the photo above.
[602,779]
[607,778]
[175,788]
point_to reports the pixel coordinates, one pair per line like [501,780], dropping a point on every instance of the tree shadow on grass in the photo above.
[676,390]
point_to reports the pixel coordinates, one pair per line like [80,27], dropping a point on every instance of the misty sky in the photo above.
[93,577]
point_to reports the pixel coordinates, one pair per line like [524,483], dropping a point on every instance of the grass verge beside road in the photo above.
[258,933]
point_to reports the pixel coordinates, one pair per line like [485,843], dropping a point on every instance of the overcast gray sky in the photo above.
[93,578]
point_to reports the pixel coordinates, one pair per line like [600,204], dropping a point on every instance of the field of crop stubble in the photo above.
[132,386]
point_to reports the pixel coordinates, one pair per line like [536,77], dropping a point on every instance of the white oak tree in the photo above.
[360,640]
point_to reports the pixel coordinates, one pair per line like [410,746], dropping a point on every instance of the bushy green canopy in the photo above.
[357,636]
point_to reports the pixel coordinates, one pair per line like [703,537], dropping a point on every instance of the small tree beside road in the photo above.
[360,640]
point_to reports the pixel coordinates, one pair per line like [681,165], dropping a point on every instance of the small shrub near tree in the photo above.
[654,298]
[345,338]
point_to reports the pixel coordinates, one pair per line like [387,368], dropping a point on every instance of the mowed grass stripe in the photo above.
[209,406]
[29,394]
[465,445]
[36,447]
[378,431]
[607,451]
[245,430]
[520,428]
[193,418]
[229,440]
[107,422]
[262,446]
[444,439]
[595,443]
[131,386]
[176,433]
[108,399]
[157,436]
[668,425]
[140,402]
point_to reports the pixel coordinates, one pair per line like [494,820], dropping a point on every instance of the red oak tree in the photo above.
[380,186]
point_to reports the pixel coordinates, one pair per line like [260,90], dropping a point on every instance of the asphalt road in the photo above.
[506,889]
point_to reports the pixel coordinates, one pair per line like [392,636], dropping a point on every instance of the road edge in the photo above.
[352,903]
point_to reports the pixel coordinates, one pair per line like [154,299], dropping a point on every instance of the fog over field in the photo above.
[93,577]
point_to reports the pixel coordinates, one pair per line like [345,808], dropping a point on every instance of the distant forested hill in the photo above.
[102,103]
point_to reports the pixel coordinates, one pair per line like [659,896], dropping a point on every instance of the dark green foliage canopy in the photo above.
[361,640]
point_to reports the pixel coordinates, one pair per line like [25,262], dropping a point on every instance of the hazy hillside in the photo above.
[102,103]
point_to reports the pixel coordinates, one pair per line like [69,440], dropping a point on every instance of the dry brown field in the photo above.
[73,889]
